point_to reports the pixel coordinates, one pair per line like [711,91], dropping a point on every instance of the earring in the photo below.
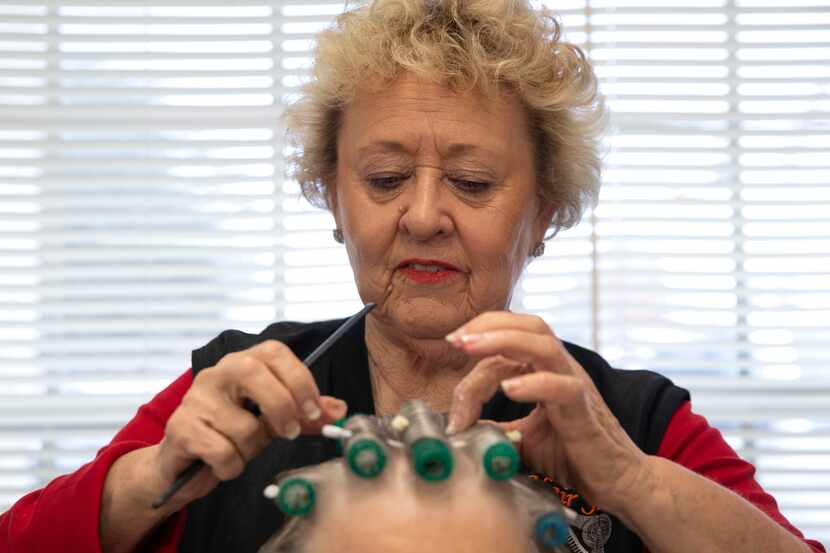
[338,235]
[538,250]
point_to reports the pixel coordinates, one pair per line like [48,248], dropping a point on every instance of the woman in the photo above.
[446,137]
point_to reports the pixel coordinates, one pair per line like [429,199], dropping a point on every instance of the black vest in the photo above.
[235,517]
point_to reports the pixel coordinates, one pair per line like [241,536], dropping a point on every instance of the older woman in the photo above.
[446,137]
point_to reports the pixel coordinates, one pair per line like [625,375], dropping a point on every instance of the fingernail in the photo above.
[452,338]
[472,338]
[452,425]
[312,412]
[514,436]
[511,384]
[341,409]
[292,430]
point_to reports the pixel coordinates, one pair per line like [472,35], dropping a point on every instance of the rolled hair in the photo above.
[492,46]
[525,499]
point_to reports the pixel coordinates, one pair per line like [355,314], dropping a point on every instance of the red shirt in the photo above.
[63,516]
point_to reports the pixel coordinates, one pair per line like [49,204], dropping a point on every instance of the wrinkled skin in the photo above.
[427,173]
[571,434]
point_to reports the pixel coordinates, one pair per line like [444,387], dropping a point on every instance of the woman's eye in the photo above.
[470,185]
[385,183]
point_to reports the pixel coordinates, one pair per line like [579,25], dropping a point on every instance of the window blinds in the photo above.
[712,235]
[143,209]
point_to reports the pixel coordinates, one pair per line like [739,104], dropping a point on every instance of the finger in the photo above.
[199,485]
[248,433]
[542,351]
[198,440]
[568,395]
[252,379]
[529,426]
[517,425]
[295,376]
[333,408]
[494,320]
[534,439]
[475,389]
[509,426]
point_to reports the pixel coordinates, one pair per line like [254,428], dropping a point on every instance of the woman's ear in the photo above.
[331,197]
[544,218]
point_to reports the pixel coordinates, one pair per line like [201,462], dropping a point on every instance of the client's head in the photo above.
[402,511]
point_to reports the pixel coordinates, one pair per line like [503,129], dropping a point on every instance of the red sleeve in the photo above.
[63,516]
[692,443]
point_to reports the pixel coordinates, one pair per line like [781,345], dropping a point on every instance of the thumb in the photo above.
[506,426]
[522,425]
[529,426]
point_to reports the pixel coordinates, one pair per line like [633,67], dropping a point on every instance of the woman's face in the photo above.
[436,196]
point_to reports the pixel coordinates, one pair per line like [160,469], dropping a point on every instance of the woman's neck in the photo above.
[403,368]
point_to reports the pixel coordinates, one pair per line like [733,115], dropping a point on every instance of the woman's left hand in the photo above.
[571,435]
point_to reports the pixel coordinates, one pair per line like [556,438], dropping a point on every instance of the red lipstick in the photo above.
[427,271]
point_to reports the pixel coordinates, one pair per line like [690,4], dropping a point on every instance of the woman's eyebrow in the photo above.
[383,147]
[464,149]
[454,150]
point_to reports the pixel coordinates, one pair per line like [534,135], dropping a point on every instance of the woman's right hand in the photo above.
[212,424]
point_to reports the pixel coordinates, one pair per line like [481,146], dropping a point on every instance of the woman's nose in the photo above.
[424,211]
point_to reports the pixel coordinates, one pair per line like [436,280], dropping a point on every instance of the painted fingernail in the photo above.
[292,430]
[511,384]
[312,412]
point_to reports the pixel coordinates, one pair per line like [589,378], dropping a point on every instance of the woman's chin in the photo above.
[424,319]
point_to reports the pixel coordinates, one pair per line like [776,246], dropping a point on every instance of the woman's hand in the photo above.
[212,424]
[571,435]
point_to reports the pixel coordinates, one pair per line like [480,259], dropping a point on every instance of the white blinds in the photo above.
[143,210]
[140,209]
[713,241]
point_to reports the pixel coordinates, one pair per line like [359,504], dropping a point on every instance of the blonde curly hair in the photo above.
[490,45]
